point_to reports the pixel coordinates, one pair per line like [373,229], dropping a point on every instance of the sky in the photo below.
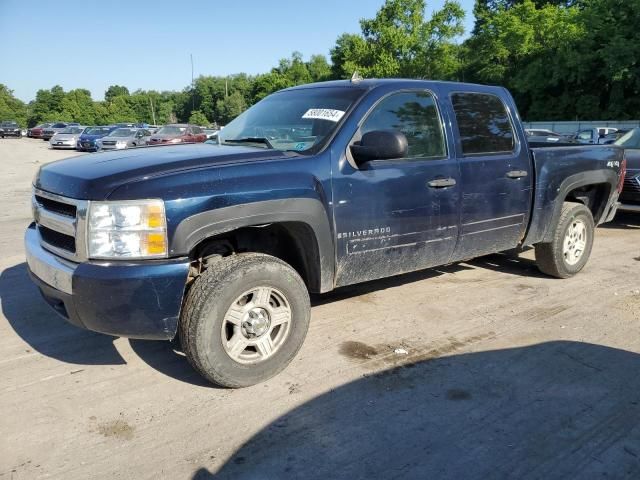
[93,44]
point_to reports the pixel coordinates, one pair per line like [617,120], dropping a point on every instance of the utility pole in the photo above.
[193,90]
[153,113]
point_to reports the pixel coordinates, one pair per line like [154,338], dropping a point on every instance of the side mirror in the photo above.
[380,145]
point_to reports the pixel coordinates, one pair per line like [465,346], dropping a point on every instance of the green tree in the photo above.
[12,108]
[229,108]
[319,68]
[401,42]
[198,118]
[115,91]
[120,110]
[77,106]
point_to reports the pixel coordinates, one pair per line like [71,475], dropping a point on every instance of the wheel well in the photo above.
[293,242]
[594,197]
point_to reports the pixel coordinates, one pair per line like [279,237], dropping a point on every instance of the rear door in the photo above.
[397,215]
[495,173]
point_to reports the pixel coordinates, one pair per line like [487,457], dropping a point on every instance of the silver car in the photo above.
[122,138]
[66,138]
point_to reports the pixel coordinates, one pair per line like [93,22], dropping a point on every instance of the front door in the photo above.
[399,215]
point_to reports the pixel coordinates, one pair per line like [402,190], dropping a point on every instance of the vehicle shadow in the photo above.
[624,221]
[356,290]
[509,263]
[47,333]
[556,410]
[167,358]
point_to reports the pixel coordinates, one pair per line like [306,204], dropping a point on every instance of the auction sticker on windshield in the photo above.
[324,114]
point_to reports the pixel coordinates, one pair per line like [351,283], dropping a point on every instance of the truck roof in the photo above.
[371,83]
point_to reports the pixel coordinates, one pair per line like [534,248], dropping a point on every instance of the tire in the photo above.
[231,289]
[570,248]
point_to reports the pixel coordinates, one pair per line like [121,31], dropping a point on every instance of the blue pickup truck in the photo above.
[313,188]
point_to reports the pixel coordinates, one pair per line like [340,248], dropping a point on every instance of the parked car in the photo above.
[36,132]
[612,137]
[546,136]
[630,197]
[122,138]
[594,136]
[66,138]
[88,141]
[10,129]
[224,242]
[178,133]
[210,132]
[49,132]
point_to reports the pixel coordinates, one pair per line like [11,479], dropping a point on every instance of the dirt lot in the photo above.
[508,374]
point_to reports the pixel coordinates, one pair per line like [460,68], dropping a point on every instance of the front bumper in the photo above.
[139,299]
[86,146]
[113,147]
[11,133]
[62,143]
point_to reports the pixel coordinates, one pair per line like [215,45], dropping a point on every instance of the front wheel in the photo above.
[570,248]
[244,319]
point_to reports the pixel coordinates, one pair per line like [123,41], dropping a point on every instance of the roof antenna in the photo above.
[356,78]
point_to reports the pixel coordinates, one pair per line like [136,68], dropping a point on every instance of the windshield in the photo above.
[631,139]
[72,130]
[122,132]
[97,131]
[171,130]
[9,124]
[297,120]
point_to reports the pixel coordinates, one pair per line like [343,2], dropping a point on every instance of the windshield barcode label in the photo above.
[324,114]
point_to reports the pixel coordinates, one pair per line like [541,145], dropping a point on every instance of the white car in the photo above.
[67,138]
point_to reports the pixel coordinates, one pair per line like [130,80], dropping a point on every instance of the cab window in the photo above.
[414,114]
[484,124]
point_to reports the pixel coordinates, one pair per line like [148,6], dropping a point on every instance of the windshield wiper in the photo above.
[262,140]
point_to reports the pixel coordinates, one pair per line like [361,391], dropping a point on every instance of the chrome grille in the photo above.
[61,223]
[632,184]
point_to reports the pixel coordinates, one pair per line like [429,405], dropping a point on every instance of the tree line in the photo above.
[561,59]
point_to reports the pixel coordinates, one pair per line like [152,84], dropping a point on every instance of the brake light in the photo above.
[623,172]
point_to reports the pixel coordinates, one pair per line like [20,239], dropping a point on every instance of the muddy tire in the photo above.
[570,248]
[244,319]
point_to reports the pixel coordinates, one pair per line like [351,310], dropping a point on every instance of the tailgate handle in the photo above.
[517,173]
[442,183]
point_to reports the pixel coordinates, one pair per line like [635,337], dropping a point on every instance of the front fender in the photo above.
[196,228]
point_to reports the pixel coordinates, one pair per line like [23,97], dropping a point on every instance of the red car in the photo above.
[36,132]
[177,133]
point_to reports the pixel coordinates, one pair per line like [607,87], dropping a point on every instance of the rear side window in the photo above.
[415,115]
[483,123]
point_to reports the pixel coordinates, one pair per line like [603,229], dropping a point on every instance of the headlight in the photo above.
[127,229]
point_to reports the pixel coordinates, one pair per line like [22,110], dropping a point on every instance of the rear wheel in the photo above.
[244,319]
[570,248]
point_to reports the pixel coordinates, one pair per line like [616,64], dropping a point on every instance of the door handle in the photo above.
[515,174]
[442,183]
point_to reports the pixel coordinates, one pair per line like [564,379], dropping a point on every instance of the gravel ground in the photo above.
[485,369]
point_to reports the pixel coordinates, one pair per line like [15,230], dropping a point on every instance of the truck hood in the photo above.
[94,177]
[165,136]
[87,136]
[66,136]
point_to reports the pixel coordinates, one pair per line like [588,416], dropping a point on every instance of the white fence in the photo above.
[572,127]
